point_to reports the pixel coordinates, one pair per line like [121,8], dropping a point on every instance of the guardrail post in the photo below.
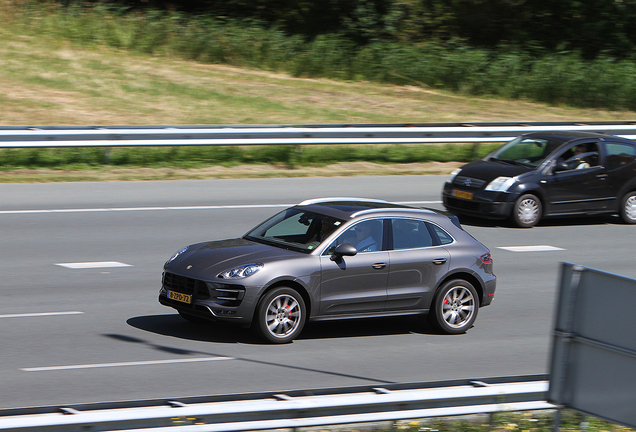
[108,155]
[556,421]
[475,151]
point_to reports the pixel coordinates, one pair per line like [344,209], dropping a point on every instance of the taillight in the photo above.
[486,258]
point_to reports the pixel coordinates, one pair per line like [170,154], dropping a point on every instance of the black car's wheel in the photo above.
[455,307]
[280,315]
[628,208]
[526,211]
[192,318]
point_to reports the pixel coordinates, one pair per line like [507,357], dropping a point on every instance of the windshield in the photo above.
[295,229]
[524,151]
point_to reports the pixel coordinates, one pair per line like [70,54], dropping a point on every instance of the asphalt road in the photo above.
[75,335]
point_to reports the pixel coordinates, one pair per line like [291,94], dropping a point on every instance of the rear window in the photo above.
[619,155]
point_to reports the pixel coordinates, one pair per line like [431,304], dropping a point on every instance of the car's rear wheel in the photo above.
[628,208]
[455,307]
[280,315]
[527,211]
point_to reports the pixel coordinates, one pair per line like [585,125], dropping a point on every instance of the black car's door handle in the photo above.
[601,176]
[439,261]
[378,266]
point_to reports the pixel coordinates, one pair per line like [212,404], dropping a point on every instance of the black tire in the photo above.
[193,318]
[280,315]
[455,307]
[627,211]
[527,211]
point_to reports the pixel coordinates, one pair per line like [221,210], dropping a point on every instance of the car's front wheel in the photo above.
[628,208]
[455,307]
[280,315]
[526,211]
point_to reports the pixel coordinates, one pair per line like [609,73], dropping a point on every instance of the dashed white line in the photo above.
[138,363]
[41,314]
[128,209]
[539,248]
[92,265]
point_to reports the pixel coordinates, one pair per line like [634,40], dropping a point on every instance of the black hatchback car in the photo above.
[544,174]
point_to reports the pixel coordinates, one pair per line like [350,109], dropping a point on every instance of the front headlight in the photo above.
[176,254]
[501,184]
[241,272]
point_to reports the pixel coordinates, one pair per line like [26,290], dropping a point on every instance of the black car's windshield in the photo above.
[524,151]
[295,229]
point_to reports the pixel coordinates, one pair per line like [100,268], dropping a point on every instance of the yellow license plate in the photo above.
[184,298]
[463,194]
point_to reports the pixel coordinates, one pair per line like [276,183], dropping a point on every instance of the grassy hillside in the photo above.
[49,81]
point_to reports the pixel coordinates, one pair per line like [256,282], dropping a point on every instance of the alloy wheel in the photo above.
[458,307]
[283,316]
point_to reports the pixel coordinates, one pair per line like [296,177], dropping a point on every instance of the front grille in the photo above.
[468,182]
[196,288]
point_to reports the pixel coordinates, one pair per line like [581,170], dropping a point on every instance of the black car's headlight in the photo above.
[176,254]
[501,184]
[241,271]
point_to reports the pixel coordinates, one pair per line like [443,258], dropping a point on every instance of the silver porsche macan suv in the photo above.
[334,258]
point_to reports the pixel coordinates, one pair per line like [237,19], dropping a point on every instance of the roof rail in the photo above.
[336,199]
[418,210]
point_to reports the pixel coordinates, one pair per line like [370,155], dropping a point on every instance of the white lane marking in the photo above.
[26,315]
[139,363]
[92,265]
[127,209]
[540,248]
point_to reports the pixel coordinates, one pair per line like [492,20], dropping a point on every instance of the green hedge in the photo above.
[196,157]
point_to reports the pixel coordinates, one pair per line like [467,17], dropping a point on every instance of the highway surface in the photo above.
[81,268]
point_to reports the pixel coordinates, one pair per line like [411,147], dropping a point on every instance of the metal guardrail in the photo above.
[195,135]
[291,409]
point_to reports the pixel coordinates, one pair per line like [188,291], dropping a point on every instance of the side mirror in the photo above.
[561,165]
[344,249]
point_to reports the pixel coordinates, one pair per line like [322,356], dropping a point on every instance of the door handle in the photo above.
[439,261]
[601,176]
[378,266]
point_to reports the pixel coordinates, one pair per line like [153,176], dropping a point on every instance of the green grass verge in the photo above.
[526,421]
[186,157]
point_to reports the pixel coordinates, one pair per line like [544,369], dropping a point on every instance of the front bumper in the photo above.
[479,203]
[210,301]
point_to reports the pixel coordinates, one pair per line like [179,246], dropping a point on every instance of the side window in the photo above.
[619,155]
[366,236]
[580,156]
[410,234]
[444,237]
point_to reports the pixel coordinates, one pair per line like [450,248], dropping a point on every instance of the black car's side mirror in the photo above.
[561,165]
[344,249]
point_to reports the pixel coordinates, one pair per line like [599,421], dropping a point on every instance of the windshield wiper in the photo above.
[277,243]
[511,162]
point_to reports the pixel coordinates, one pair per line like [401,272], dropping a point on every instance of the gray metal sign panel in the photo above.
[593,362]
